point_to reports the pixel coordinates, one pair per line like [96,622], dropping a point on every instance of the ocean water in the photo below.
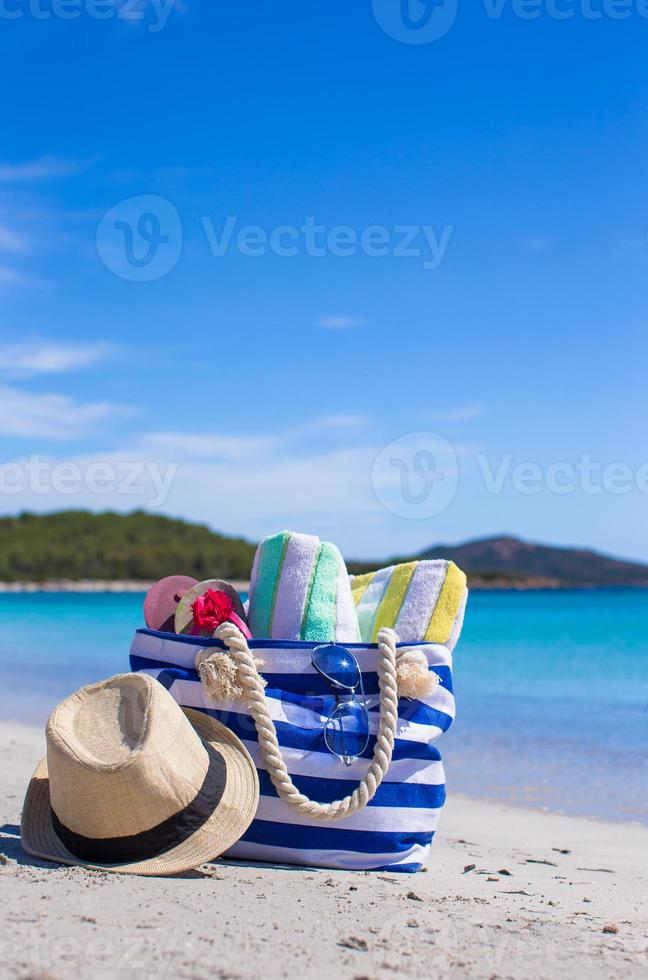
[552,688]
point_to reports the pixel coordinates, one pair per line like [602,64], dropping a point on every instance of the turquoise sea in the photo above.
[552,688]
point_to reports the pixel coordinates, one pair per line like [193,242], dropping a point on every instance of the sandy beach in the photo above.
[509,892]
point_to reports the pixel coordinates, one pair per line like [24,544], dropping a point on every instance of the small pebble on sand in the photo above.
[354,942]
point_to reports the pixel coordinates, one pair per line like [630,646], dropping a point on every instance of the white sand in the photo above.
[224,921]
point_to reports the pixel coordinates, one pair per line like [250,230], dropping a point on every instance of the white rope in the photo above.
[253,688]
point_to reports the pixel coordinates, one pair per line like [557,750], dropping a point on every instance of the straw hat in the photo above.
[133,783]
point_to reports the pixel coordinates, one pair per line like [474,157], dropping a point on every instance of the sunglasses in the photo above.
[346,731]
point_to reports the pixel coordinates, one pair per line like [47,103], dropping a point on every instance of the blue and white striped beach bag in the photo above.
[395,830]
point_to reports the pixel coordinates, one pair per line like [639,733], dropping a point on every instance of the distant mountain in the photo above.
[511,558]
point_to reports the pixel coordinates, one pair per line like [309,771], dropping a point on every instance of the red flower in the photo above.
[210,610]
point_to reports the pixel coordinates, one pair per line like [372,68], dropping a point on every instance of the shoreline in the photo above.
[89,586]
[10,727]
[32,730]
[509,892]
[122,586]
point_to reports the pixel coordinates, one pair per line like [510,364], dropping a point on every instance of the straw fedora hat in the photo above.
[134,783]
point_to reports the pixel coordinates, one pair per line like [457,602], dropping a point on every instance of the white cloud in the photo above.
[538,243]
[13,241]
[463,413]
[50,358]
[341,321]
[205,446]
[12,277]
[297,490]
[50,416]
[252,484]
[228,447]
[44,168]
[310,493]
[334,422]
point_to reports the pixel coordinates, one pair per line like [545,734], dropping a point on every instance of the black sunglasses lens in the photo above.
[347,731]
[338,665]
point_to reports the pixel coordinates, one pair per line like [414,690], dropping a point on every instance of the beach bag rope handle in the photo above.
[254,690]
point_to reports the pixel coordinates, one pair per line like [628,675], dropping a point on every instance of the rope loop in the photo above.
[253,687]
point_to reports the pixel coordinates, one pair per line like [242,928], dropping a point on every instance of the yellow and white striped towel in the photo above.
[421,600]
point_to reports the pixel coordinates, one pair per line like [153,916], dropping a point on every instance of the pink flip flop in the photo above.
[162,601]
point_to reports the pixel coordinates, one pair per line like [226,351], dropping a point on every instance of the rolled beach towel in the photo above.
[421,600]
[300,590]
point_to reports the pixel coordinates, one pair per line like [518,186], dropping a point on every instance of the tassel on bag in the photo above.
[219,674]
[220,677]
[415,680]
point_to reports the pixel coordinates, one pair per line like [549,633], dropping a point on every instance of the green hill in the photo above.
[78,545]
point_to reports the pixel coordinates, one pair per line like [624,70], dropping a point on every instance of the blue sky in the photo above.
[508,155]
